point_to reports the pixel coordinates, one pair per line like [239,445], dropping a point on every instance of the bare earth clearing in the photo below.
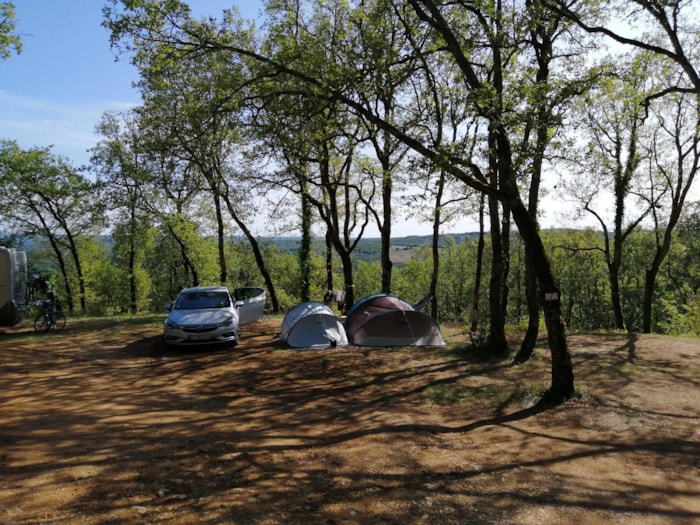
[100,426]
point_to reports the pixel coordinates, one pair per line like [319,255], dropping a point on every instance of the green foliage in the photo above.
[411,281]
[9,39]
[172,262]
[575,255]
[456,281]
[368,279]
[105,283]
[580,267]
[639,250]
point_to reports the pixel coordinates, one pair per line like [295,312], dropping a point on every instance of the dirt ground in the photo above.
[99,426]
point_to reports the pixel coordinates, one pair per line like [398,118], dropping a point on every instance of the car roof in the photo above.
[205,289]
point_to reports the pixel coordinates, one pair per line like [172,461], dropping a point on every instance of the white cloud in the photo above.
[68,128]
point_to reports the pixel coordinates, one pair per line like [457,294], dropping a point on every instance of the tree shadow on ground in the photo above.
[261,433]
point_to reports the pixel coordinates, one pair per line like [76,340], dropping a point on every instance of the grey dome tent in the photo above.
[386,320]
[313,325]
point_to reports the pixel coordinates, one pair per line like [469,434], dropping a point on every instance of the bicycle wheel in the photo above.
[42,323]
[59,321]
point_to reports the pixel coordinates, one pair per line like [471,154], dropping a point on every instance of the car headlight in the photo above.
[170,324]
[227,322]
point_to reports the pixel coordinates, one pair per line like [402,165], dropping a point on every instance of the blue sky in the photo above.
[55,91]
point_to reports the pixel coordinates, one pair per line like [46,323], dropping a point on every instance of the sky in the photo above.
[55,92]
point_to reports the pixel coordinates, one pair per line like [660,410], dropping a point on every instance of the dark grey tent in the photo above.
[386,320]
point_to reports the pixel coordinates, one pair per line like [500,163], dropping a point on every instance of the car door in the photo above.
[251,303]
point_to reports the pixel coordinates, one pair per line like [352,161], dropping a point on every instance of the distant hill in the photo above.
[369,250]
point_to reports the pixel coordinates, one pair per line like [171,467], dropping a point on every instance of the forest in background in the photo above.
[578,255]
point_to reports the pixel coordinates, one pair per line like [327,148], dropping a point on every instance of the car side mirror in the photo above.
[239,304]
[168,306]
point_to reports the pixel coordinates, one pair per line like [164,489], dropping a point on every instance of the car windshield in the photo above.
[197,300]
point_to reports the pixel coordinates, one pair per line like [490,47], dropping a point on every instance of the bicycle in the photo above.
[51,317]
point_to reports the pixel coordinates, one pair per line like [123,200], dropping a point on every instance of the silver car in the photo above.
[206,315]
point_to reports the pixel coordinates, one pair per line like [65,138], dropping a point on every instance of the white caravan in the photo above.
[13,285]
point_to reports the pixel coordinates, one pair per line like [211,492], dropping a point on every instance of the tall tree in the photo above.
[319,140]
[607,165]
[192,105]
[381,54]
[489,91]
[666,29]
[118,161]
[675,161]
[547,90]
[43,195]
[440,101]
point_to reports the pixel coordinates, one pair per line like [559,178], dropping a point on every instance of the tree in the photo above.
[121,170]
[489,92]
[547,91]
[9,40]
[674,163]
[608,163]
[42,195]
[191,108]
[670,31]
[682,273]
[387,68]
[439,101]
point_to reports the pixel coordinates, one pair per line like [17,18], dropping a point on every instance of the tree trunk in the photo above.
[223,272]
[64,273]
[650,278]
[133,295]
[434,275]
[476,294]
[259,259]
[385,230]
[305,249]
[527,346]
[497,342]
[562,385]
[78,268]
[618,317]
[615,260]
[133,290]
[349,279]
[329,261]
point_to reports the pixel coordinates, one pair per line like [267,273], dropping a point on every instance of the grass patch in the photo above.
[487,395]
[528,393]
[456,394]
